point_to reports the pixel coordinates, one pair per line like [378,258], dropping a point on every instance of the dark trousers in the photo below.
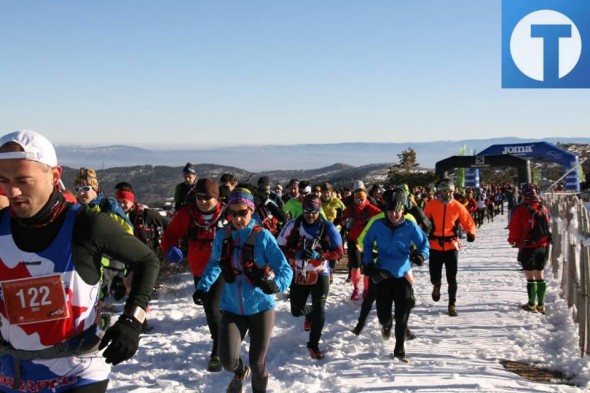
[448,259]
[368,299]
[231,335]
[317,309]
[212,311]
[398,292]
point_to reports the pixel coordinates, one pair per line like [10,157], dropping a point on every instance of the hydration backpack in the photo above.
[539,223]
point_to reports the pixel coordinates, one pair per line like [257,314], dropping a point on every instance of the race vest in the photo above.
[44,302]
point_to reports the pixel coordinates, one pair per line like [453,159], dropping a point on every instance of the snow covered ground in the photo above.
[458,354]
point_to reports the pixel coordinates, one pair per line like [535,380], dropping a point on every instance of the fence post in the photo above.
[584,307]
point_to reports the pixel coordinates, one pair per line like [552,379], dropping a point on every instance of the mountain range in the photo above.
[154,173]
[258,158]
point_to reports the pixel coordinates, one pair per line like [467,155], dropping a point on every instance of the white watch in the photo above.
[136,313]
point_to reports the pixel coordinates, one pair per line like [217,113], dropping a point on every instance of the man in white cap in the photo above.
[50,252]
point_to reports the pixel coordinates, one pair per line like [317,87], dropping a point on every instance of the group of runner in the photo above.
[244,243]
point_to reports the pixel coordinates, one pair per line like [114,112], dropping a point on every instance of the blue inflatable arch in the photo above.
[544,150]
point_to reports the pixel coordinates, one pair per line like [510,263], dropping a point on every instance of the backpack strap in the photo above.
[254,274]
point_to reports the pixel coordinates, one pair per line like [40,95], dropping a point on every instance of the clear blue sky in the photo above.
[217,72]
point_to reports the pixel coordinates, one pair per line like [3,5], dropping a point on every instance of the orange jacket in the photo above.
[445,218]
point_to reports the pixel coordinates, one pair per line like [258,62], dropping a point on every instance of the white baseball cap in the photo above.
[36,147]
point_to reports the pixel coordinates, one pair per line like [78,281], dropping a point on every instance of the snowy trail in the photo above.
[458,354]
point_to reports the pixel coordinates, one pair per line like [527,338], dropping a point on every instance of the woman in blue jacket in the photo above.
[247,256]
[392,237]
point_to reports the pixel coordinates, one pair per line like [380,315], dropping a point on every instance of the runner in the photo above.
[393,238]
[310,242]
[59,346]
[244,254]
[356,217]
[446,214]
[200,222]
[531,235]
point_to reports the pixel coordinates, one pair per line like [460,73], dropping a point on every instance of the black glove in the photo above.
[368,268]
[199,297]
[416,257]
[123,337]
[269,287]
[470,237]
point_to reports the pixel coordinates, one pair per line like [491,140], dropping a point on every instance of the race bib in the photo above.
[35,299]
[308,277]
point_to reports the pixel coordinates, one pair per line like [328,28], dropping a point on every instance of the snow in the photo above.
[460,354]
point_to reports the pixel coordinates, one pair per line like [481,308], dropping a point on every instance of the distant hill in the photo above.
[160,171]
[153,184]
[280,157]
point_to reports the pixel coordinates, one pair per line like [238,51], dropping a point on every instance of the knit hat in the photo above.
[358,185]
[207,186]
[264,182]
[241,196]
[293,182]
[188,168]
[36,147]
[312,202]
[529,193]
[87,177]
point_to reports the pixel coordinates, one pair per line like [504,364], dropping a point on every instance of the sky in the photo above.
[217,73]
[459,354]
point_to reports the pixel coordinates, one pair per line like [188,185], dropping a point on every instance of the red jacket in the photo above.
[360,216]
[200,230]
[520,226]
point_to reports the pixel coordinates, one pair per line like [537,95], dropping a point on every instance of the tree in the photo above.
[405,171]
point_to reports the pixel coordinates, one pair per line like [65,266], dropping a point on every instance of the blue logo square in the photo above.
[545,44]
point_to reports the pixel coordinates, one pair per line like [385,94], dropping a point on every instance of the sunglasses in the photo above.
[203,197]
[238,213]
[83,189]
[311,211]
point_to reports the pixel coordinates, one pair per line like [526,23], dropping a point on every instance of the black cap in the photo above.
[395,200]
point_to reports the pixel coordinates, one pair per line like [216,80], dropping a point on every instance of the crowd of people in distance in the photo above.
[243,243]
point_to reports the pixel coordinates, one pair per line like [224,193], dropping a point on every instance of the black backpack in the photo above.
[539,223]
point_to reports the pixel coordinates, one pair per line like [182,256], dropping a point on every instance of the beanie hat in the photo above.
[207,186]
[312,202]
[241,196]
[529,193]
[87,177]
[293,182]
[125,195]
[358,185]
[35,147]
[395,200]
[188,168]
[264,182]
